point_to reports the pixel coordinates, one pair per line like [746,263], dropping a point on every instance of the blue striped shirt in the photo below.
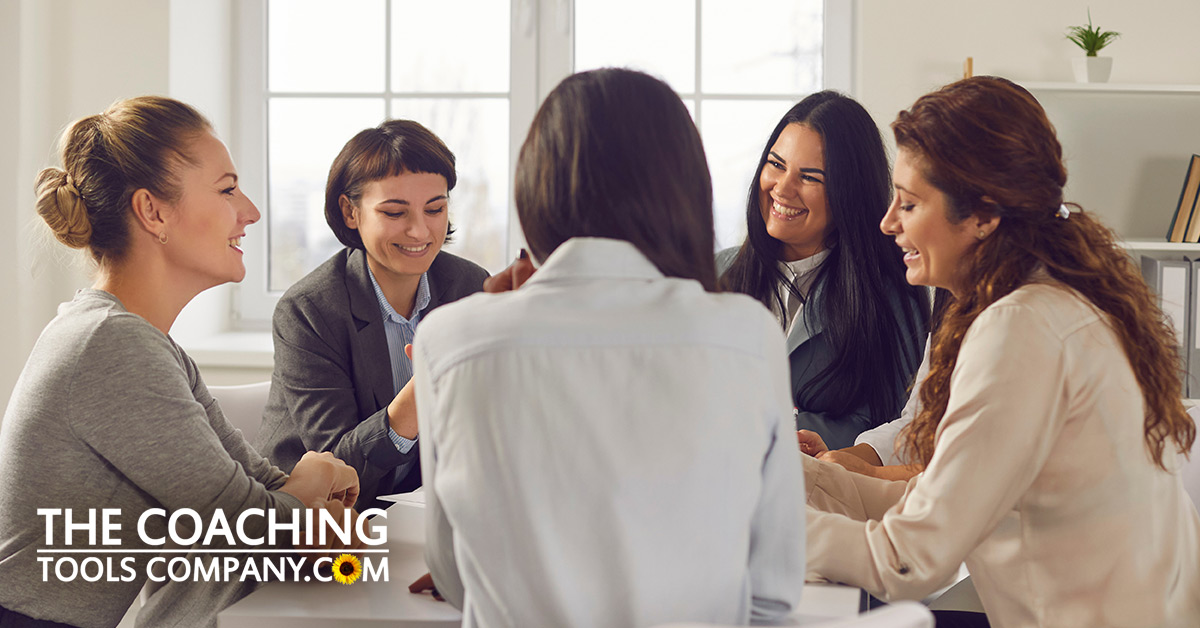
[399,332]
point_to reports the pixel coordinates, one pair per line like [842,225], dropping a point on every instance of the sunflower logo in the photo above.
[347,568]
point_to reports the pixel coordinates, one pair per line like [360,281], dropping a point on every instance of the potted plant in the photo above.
[1092,68]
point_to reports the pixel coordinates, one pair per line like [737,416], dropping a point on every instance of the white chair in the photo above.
[898,615]
[243,405]
[1191,468]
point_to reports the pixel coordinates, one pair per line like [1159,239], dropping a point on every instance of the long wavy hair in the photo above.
[861,276]
[987,144]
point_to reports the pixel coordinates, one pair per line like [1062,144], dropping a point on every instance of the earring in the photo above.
[982,234]
[162,237]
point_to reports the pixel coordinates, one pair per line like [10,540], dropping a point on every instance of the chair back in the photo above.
[1191,468]
[243,405]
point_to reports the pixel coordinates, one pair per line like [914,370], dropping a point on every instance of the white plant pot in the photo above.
[1092,69]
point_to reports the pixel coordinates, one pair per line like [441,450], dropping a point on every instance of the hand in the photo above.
[425,583]
[811,443]
[512,277]
[402,411]
[319,477]
[848,460]
[332,545]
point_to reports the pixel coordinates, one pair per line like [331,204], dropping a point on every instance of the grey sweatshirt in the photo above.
[110,413]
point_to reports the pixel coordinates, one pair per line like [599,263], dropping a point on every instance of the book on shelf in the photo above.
[1171,280]
[1192,381]
[1185,225]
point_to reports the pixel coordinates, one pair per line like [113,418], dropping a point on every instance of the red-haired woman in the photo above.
[1052,419]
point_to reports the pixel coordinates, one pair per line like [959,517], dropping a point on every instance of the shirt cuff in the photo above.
[401,443]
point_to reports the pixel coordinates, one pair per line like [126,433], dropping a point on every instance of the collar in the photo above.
[595,258]
[419,304]
[802,267]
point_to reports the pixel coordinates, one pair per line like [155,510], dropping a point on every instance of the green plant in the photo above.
[1091,38]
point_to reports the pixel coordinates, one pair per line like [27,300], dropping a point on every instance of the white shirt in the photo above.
[883,438]
[802,273]
[609,447]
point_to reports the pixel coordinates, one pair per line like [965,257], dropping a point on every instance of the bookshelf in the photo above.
[1126,147]
[1136,247]
[1124,88]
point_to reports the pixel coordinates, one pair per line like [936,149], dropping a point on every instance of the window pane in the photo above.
[476,131]
[734,134]
[305,135]
[321,46]
[459,46]
[661,40]
[741,55]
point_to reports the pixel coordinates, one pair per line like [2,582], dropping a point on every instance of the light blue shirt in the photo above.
[399,332]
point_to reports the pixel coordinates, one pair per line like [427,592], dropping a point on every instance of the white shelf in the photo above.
[1114,87]
[1160,246]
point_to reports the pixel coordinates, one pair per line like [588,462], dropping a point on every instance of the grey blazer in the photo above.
[333,379]
[809,353]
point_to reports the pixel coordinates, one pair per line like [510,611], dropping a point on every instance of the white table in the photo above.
[372,604]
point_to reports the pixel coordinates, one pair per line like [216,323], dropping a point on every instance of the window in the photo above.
[313,73]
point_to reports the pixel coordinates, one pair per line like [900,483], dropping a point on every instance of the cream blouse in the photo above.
[1041,481]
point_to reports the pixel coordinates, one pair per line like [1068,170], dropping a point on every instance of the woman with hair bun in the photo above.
[1051,424]
[109,413]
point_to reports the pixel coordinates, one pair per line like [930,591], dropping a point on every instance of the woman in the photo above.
[341,374]
[109,413]
[1052,418]
[813,255]
[577,430]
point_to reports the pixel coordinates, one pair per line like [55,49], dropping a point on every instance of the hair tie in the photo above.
[70,185]
[1063,212]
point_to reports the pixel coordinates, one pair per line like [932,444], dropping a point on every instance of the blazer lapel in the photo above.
[808,326]
[438,285]
[370,342]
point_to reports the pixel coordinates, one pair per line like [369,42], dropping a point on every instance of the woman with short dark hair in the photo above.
[578,429]
[341,380]
[814,256]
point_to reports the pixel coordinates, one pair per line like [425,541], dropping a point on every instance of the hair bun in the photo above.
[63,209]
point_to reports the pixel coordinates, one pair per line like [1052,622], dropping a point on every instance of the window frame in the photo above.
[541,54]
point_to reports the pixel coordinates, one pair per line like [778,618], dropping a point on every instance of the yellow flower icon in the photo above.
[347,568]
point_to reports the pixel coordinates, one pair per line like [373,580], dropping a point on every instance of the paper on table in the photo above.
[415,499]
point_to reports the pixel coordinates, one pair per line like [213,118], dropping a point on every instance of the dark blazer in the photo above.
[333,376]
[809,353]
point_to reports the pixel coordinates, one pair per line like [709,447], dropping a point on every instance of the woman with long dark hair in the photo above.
[1052,422]
[814,256]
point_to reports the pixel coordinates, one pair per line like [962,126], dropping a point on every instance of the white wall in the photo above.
[1125,154]
[10,42]
[67,59]
[905,49]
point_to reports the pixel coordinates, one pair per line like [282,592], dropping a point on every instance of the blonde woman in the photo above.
[109,413]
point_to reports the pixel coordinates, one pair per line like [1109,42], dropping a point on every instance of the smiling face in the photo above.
[792,192]
[402,221]
[208,221]
[935,249]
